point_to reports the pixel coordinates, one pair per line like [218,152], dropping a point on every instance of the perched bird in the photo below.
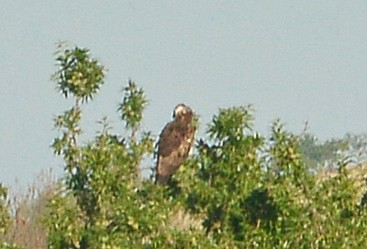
[175,142]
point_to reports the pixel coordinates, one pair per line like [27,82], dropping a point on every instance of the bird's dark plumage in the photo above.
[175,142]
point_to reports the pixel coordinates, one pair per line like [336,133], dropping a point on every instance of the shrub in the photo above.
[240,189]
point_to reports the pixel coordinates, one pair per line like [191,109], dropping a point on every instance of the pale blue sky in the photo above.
[294,60]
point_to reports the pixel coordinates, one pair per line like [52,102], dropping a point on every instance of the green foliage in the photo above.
[240,189]
[223,173]
[78,74]
[5,219]
[132,106]
[230,123]
[4,215]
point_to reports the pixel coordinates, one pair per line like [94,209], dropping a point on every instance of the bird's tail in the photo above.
[161,179]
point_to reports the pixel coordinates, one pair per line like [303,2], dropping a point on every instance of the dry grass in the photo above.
[28,210]
[182,220]
[357,173]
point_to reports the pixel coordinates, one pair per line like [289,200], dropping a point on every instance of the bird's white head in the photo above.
[180,110]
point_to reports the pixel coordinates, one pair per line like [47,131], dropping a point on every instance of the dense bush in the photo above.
[239,190]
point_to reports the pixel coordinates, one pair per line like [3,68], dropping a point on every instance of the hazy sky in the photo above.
[295,60]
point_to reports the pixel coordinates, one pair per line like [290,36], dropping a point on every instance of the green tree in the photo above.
[239,190]
[105,204]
